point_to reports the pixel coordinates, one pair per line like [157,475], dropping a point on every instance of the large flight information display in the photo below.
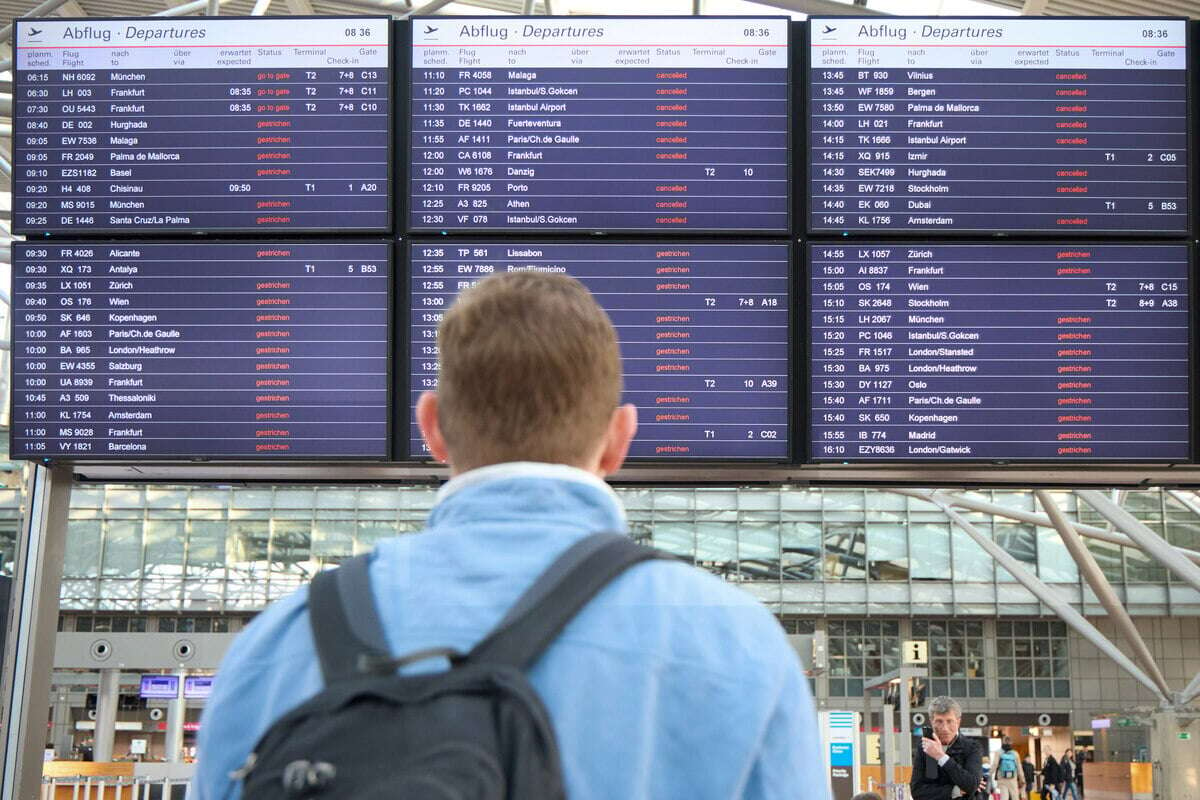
[211,124]
[998,125]
[999,352]
[703,330]
[600,124]
[232,350]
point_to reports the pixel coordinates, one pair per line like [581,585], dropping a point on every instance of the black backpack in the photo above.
[477,730]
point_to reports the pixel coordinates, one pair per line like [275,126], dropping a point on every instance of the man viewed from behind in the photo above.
[948,765]
[669,684]
[1010,778]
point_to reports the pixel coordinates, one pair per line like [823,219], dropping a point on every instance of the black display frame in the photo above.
[1192,251]
[389,348]
[403,411]
[502,232]
[73,233]
[1190,79]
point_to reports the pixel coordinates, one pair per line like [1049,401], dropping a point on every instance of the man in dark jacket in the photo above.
[948,765]
[1051,778]
[1030,777]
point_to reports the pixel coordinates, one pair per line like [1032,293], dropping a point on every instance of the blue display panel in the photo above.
[230,350]
[209,124]
[999,352]
[998,125]
[160,687]
[600,124]
[703,330]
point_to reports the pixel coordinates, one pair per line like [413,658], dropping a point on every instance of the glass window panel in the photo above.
[206,546]
[842,500]
[294,498]
[887,551]
[1108,555]
[82,559]
[123,548]
[890,627]
[1043,688]
[379,498]
[252,498]
[1024,688]
[930,559]
[166,497]
[1141,568]
[791,499]
[854,687]
[1004,647]
[371,531]
[845,551]
[1020,542]
[1055,564]
[1007,689]
[758,550]
[1024,668]
[250,541]
[801,546]
[1062,688]
[164,540]
[333,538]
[676,538]
[291,543]
[124,497]
[1005,667]
[346,499]
[971,562]
[716,544]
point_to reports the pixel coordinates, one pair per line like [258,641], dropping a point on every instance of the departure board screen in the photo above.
[225,351]
[999,352]
[703,330]
[600,124]
[207,124]
[998,125]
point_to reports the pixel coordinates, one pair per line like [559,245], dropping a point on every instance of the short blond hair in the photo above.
[528,370]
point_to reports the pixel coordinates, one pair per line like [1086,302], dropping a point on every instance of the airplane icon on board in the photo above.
[429,29]
[828,29]
[35,31]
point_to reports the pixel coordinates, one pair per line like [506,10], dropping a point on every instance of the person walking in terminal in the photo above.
[1067,768]
[1009,776]
[670,683]
[1051,779]
[947,765]
[1030,773]
[867,796]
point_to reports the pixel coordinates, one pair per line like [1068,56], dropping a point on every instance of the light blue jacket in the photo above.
[670,684]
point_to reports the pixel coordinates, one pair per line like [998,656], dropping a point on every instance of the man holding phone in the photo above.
[945,764]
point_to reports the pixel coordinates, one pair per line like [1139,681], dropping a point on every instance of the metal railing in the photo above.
[96,787]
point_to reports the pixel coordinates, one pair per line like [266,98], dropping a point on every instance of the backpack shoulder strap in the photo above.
[557,595]
[345,623]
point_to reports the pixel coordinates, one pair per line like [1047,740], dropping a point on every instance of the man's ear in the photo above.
[431,430]
[621,429]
